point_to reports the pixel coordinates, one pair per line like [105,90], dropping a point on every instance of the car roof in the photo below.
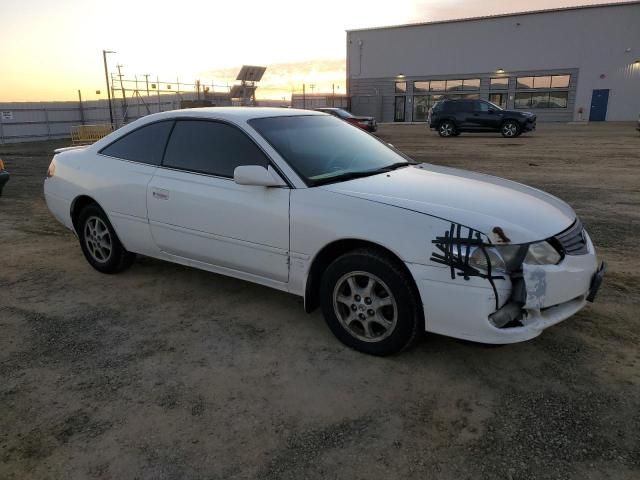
[232,113]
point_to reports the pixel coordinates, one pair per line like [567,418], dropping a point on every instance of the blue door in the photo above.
[599,100]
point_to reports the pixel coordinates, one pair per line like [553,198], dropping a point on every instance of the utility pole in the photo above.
[106,77]
[304,96]
[333,94]
[81,108]
[146,79]
[124,95]
[158,92]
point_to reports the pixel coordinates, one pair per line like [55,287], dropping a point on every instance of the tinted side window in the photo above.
[144,145]
[211,147]
[457,107]
[480,106]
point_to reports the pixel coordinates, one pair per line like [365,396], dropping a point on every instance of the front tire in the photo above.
[510,129]
[99,242]
[370,303]
[446,129]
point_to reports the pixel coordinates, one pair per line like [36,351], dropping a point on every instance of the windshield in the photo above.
[322,149]
[494,105]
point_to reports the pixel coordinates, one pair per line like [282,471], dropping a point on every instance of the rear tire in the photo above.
[99,242]
[370,303]
[446,128]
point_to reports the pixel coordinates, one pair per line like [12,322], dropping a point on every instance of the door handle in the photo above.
[160,193]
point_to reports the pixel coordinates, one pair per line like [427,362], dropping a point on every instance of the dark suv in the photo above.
[451,117]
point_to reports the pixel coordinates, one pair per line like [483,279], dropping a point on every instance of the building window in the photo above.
[450,85]
[499,99]
[545,94]
[401,87]
[524,82]
[544,82]
[462,96]
[499,83]
[438,85]
[454,85]
[560,81]
[551,99]
[540,99]
[558,99]
[471,84]
[398,115]
[522,100]
[421,105]
[421,86]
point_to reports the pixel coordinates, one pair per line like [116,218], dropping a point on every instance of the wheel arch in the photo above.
[448,118]
[79,203]
[333,250]
[512,119]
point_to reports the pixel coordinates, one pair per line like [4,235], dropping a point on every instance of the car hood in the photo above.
[479,201]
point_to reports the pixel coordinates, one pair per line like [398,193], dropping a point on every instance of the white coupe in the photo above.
[306,203]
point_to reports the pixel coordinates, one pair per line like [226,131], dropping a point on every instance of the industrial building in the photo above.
[567,64]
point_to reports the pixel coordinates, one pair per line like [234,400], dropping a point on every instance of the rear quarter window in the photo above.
[145,144]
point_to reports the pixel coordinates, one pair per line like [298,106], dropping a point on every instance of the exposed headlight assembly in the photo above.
[503,258]
[542,253]
[481,257]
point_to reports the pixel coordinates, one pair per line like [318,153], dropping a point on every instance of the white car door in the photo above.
[123,170]
[197,212]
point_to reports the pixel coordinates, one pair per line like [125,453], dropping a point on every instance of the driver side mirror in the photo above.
[492,110]
[257,175]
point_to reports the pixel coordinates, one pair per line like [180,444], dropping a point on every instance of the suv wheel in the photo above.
[447,129]
[370,303]
[510,129]
[99,242]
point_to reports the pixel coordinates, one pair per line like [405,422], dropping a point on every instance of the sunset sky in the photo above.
[52,48]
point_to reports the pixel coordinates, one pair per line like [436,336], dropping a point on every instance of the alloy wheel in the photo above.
[509,129]
[98,239]
[446,129]
[365,306]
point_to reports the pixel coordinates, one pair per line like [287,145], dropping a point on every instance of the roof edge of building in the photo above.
[499,15]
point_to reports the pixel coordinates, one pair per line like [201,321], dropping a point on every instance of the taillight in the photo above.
[51,171]
[1,164]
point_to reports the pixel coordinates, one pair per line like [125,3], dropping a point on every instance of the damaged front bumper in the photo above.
[543,296]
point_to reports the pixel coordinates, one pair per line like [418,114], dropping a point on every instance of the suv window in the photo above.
[144,145]
[481,106]
[457,106]
[211,147]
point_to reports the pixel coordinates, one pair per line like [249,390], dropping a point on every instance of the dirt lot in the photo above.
[169,372]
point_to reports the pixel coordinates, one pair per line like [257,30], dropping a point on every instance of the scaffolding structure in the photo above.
[145,94]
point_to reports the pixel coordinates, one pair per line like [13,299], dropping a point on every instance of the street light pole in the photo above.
[106,77]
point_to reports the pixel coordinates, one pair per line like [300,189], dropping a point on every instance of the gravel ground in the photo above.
[166,372]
